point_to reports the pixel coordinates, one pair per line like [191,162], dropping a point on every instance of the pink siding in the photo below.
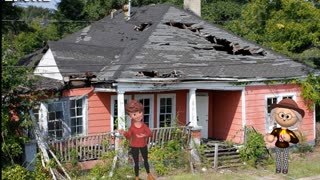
[99,111]
[256,113]
[99,106]
[226,116]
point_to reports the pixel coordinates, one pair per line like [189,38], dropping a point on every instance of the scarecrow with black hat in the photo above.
[288,115]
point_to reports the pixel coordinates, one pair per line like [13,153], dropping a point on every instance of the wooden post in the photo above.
[216,146]
[194,144]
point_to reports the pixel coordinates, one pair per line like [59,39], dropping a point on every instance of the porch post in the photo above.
[121,111]
[192,108]
[121,125]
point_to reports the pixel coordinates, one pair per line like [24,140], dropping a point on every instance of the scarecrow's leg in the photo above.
[278,160]
[285,160]
[135,155]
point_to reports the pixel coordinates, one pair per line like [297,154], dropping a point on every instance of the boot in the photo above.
[150,177]
[137,177]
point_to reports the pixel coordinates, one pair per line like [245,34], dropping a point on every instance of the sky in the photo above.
[50,5]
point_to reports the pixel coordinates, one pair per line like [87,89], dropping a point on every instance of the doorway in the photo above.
[202,113]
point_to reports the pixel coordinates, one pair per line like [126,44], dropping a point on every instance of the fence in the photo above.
[92,147]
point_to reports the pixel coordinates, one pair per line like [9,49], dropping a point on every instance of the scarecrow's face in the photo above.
[285,117]
[136,116]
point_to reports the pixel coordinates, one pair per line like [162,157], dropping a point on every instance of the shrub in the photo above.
[15,172]
[303,146]
[253,149]
[169,156]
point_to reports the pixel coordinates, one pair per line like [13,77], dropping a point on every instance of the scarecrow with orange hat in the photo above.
[288,115]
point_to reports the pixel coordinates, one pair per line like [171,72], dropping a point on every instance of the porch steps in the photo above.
[228,155]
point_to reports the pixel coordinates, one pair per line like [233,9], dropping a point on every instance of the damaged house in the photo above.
[181,67]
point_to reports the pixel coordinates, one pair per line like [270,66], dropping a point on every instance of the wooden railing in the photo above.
[83,148]
[92,147]
[162,135]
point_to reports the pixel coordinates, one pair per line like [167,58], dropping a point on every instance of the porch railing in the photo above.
[92,147]
[83,148]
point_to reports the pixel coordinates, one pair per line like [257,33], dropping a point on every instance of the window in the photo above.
[166,109]
[271,99]
[147,102]
[55,118]
[76,116]
[63,118]
[114,110]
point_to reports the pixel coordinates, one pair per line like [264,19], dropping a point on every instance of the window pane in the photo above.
[59,134]
[168,117]
[162,101]
[162,109]
[79,103]
[79,111]
[58,125]
[73,121]
[58,107]
[73,130]
[79,129]
[50,107]
[146,110]
[50,126]
[162,118]
[79,121]
[52,116]
[146,102]
[169,109]
[169,101]
[59,115]
[72,112]
[72,104]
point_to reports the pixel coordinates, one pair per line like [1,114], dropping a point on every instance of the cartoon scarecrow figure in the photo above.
[288,115]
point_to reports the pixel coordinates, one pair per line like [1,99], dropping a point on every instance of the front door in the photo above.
[202,113]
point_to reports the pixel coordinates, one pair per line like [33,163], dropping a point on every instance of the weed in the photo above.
[254,148]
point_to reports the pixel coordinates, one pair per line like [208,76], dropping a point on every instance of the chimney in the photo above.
[193,5]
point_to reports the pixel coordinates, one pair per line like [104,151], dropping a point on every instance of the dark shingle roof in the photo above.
[176,41]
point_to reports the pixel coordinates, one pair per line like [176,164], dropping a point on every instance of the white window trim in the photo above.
[84,112]
[43,119]
[113,98]
[279,97]
[151,97]
[173,96]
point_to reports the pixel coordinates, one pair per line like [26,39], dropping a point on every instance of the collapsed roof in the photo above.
[162,41]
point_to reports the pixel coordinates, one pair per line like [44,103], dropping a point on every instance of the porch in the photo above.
[84,149]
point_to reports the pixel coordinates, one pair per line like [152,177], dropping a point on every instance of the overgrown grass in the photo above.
[300,165]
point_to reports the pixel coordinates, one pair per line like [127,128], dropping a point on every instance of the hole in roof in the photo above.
[142,27]
[219,44]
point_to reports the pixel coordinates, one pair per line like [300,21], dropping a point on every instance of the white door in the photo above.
[202,113]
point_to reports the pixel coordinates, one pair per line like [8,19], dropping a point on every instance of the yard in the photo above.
[301,165]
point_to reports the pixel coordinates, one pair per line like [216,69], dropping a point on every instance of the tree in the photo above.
[219,12]
[287,26]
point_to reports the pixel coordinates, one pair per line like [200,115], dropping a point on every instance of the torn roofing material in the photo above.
[166,40]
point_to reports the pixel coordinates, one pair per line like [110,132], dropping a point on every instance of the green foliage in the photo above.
[253,149]
[310,90]
[286,26]
[102,170]
[15,172]
[40,172]
[219,12]
[169,156]
[303,146]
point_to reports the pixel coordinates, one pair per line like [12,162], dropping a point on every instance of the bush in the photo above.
[170,156]
[303,146]
[15,172]
[254,148]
